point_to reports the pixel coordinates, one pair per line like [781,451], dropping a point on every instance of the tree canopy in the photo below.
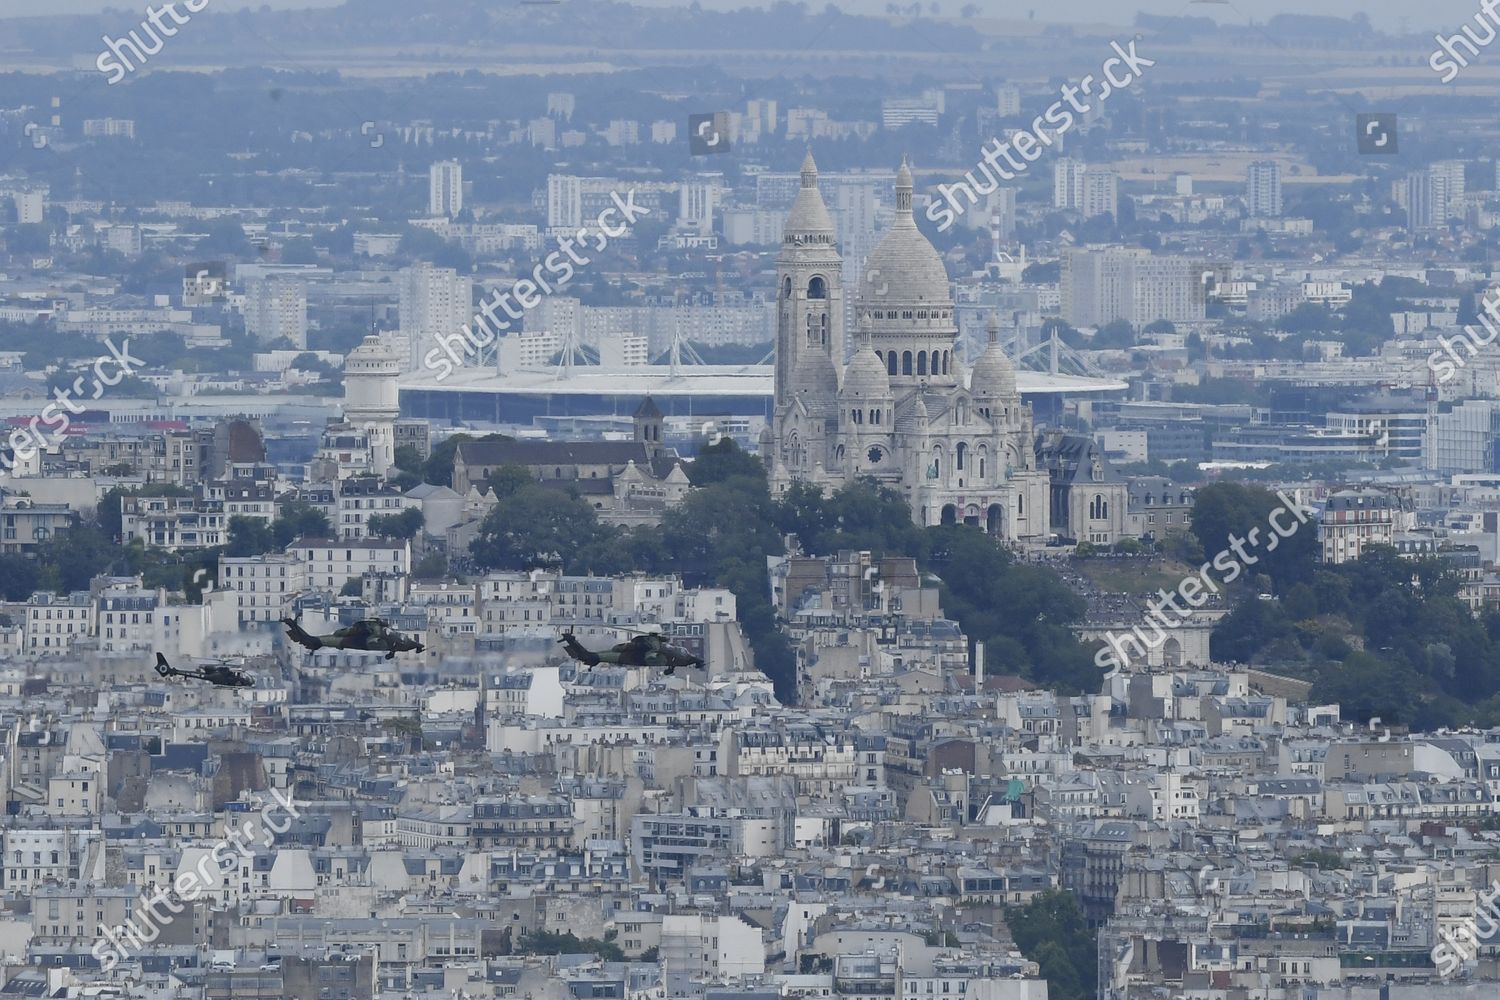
[1051,931]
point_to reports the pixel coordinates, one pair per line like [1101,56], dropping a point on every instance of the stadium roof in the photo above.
[689,380]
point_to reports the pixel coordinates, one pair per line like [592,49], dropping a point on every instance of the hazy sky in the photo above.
[1428,17]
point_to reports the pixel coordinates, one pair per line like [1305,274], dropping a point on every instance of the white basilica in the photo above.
[957,444]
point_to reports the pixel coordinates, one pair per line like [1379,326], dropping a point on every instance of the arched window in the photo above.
[890,363]
[947,358]
[921,362]
[786,289]
[874,416]
[817,288]
[981,465]
[959,454]
[1098,508]
[906,362]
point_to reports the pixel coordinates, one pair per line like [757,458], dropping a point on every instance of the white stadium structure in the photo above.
[485,396]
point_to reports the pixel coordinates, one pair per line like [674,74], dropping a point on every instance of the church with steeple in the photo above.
[905,410]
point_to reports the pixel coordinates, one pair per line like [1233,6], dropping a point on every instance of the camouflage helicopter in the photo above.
[218,675]
[372,635]
[645,649]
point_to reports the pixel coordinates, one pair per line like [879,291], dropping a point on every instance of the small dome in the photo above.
[808,215]
[866,377]
[993,377]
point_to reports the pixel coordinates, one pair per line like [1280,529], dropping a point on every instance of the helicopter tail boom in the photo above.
[576,650]
[297,634]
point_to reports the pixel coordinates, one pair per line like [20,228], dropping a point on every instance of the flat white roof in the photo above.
[690,380]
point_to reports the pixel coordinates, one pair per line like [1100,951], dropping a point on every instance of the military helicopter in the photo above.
[218,675]
[372,635]
[645,649]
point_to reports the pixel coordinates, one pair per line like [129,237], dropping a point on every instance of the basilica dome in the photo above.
[904,269]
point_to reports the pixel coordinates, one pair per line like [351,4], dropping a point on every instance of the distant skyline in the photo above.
[1389,15]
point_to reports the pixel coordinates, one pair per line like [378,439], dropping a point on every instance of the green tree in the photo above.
[249,536]
[408,459]
[1050,930]
[1367,686]
[404,525]
[72,558]
[720,535]
[1117,334]
[1024,614]
[567,943]
[19,577]
[536,527]
[862,515]
[507,479]
[1225,512]
[299,519]
[725,460]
